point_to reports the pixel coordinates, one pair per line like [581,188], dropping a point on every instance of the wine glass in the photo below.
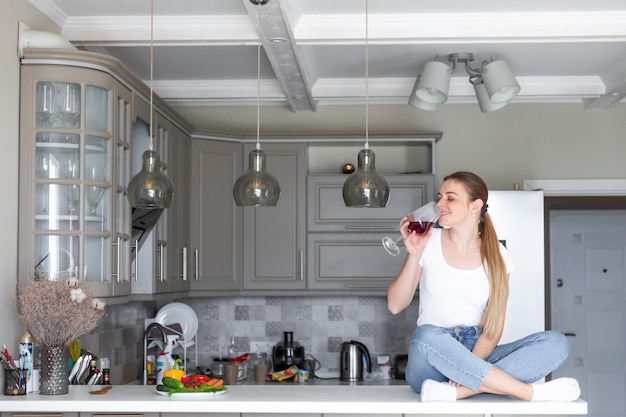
[93,192]
[43,171]
[71,170]
[70,104]
[421,221]
[45,103]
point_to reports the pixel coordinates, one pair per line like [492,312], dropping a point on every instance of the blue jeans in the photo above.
[444,354]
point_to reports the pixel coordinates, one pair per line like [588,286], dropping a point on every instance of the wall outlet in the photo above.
[259,347]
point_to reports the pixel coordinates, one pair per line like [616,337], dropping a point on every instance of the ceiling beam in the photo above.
[280,47]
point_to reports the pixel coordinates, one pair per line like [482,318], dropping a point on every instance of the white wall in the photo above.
[520,141]
[10,328]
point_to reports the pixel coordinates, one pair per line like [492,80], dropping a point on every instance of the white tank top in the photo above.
[448,296]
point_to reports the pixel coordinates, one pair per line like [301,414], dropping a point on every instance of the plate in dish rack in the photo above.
[182,314]
[192,395]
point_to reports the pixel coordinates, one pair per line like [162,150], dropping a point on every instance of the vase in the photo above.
[53,379]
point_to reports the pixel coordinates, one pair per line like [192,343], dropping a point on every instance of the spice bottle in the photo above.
[106,376]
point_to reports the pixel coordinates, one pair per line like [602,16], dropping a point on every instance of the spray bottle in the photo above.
[165,360]
[26,358]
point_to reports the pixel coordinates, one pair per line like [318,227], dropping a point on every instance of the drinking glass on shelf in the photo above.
[70,170]
[70,104]
[93,192]
[421,221]
[46,96]
[43,171]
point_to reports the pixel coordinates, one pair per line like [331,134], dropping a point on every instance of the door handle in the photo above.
[570,334]
[559,283]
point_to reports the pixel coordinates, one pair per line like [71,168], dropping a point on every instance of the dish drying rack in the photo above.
[153,344]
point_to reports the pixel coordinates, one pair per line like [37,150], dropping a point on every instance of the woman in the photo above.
[462,272]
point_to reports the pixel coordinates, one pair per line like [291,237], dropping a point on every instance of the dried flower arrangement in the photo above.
[56,312]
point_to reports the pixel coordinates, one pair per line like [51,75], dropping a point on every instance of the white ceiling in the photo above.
[205,51]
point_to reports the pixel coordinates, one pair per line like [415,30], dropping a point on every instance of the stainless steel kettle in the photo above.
[351,364]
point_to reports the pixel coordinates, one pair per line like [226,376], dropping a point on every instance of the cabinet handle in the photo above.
[116,274]
[137,260]
[119,250]
[161,262]
[184,253]
[371,227]
[196,272]
[365,286]
[301,265]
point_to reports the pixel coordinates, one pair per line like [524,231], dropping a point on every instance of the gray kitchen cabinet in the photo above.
[328,213]
[274,238]
[344,249]
[150,263]
[74,122]
[178,217]
[216,221]
[351,262]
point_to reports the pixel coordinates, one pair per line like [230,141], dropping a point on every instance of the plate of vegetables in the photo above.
[191,386]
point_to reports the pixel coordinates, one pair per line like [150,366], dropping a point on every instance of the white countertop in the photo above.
[279,398]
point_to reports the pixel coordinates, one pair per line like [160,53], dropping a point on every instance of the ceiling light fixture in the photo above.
[257,187]
[150,188]
[366,187]
[494,83]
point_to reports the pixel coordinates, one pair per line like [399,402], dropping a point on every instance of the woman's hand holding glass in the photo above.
[417,223]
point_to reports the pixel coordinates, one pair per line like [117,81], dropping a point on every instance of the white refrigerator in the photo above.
[519,221]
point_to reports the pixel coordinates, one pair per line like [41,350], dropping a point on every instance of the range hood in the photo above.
[143,220]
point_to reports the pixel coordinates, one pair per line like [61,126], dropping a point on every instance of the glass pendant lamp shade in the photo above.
[150,188]
[500,82]
[366,187]
[434,83]
[256,187]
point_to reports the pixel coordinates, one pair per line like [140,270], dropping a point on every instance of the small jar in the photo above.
[217,368]
[258,358]
[384,367]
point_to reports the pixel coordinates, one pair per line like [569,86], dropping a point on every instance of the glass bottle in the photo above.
[232,348]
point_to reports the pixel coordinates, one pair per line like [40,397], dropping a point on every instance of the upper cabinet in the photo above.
[69,132]
[216,232]
[78,114]
[274,238]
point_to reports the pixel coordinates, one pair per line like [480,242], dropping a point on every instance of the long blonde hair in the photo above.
[489,252]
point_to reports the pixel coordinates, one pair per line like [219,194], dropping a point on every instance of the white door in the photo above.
[588,287]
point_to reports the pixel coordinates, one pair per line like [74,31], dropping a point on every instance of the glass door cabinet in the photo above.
[74,163]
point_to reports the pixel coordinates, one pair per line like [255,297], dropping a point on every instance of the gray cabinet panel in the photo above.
[350,261]
[327,211]
[274,237]
[216,221]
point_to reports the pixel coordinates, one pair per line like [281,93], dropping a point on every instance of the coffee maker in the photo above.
[287,353]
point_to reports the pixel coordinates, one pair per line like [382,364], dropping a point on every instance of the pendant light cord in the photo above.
[258,66]
[151,67]
[367,123]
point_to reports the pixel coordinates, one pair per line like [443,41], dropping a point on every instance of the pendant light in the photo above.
[257,187]
[150,188]
[366,187]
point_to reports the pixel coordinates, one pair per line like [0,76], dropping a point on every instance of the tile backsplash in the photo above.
[319,324]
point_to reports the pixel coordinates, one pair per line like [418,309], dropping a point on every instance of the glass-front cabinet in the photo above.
[74,164]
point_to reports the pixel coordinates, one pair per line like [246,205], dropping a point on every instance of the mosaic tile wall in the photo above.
[319,324]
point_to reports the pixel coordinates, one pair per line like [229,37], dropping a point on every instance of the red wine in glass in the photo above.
[420,227]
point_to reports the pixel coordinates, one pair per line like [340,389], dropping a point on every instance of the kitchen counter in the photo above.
[279,398]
